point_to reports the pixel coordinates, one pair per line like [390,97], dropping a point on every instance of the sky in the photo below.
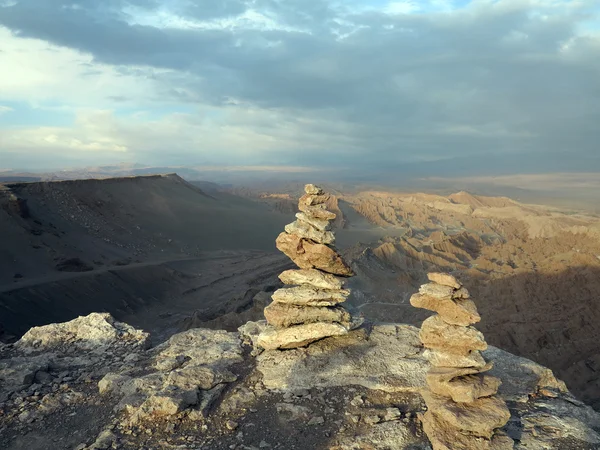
[363,85]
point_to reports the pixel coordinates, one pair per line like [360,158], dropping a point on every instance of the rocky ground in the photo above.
[93,383]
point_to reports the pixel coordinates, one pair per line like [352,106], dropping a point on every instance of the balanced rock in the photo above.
[311,277]
[317,211]
[298,335]
[436,290]
[319,224]
[437,334]
[308,311]
[313,199]
[310,255]
[462,409]
[444,437]
[282,315]
[479,418]
[461,385]
[309,296]
[439,358]
[312,189]
[455,312]
[444,279]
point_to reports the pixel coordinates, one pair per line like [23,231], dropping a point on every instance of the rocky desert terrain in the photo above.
[165,256]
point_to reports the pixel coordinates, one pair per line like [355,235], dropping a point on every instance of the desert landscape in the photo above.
[170,258]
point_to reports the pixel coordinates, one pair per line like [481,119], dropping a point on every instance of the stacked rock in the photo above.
[462,411]
[310,310]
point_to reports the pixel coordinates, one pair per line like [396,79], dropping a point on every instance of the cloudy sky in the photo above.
[298,83]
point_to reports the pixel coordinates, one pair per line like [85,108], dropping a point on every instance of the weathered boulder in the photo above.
[298,335]
[284,315]
[310,255]
[94,332]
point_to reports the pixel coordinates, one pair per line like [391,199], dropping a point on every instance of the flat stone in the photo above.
[312,189]
[444,279]
[307,231]
[282,315]
[312,277]
[461,387]
[436,290]
[317,211]
[443,359]
[445,437]
[312,199]
[310,255]
[455,312]
[479,418]
[319,224]
[299,335]
[309,296]
[438,335]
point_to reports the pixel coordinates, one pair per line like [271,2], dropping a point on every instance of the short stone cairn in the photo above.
[309,310]
[462,409]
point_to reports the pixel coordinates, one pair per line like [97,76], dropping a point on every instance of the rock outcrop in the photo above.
[92,384]
[309,310]
[463,412]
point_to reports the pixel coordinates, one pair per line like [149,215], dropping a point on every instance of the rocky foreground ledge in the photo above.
[93,383]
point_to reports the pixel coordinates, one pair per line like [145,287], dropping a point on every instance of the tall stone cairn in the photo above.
[462,409]
[309,308]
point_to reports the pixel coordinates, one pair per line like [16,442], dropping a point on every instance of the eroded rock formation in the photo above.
[92,384]
[309,310]
[463,411]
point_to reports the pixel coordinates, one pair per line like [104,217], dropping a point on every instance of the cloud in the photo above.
[5,109]
[311,81]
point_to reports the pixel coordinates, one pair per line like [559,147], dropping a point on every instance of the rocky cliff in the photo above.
[93,383]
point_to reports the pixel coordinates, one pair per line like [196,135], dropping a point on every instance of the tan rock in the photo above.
[444,279]
[311,200]
[312,189]
[313,277]
[317,211]
[282,315]
[479,418]
[455,312]
[299,335]
[307,231]
[461,387]
[309,255]
[445,437]
[438,335]
[309,296]
[461,293]
[436,290]
[444,359]
[319,224]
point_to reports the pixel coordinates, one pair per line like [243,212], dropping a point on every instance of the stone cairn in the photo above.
[462,409]
[310,310]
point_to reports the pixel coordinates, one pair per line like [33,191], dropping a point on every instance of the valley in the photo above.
[166,255]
